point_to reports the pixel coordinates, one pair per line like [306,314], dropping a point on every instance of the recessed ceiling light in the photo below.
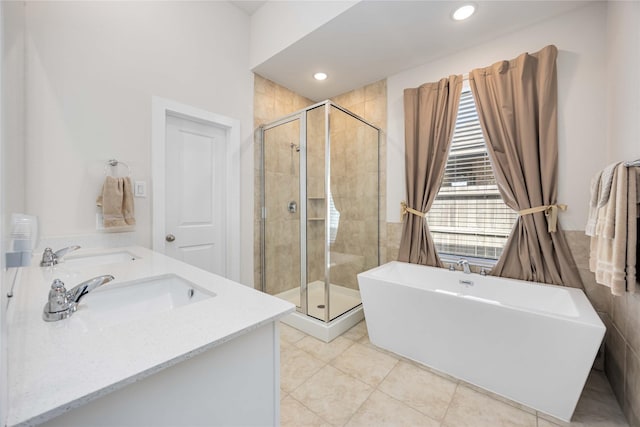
[320,76]
[463,12]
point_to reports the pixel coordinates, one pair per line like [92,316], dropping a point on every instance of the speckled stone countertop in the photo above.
[57,366]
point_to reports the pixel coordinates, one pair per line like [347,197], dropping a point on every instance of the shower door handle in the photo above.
[170,238]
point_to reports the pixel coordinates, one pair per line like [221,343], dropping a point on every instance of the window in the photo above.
[468,216]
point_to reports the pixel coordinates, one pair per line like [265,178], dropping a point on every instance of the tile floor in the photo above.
[350,382]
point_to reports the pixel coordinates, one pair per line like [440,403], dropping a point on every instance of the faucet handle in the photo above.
[58,298]
[48,258]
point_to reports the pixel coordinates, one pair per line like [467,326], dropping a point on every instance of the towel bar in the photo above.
[115,163]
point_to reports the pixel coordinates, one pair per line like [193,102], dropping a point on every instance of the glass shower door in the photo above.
[317,292]
[352,207]
[281,212]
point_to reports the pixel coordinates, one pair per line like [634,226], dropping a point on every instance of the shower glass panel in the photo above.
[281,213]
[320,218]
[316,213]
[352,207]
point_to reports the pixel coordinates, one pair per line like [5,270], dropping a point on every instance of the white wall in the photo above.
[623,67]
[278,24]
[91,70]
[11,156]
[580,37]
[13,99]
[3,322]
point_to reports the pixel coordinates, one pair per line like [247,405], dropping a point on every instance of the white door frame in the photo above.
[160,108]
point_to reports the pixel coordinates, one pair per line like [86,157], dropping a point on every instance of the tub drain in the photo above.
[320,305]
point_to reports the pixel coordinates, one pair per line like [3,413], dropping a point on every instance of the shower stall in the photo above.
[320,222]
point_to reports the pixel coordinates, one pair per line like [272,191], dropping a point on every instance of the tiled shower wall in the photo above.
[621,315]
[271,102]
[282,170]
[355,169]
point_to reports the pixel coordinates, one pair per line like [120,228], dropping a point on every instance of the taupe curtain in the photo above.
[517,106]
[430,117]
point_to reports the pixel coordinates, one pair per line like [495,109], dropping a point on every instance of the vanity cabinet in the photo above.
[234,384]
[145,360]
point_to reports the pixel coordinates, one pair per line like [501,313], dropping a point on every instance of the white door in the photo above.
[195,174]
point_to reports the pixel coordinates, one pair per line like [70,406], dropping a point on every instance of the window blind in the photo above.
[468,216]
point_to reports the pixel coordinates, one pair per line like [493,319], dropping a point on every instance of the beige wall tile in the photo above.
[623,330]
[350,99]
[598,406]
[633,322]
[273,101]
[376,113]
[264,86]
[599,295]
[631,403]
[376,90]
[579,246]
[615,362]
[263,108]
[619,313]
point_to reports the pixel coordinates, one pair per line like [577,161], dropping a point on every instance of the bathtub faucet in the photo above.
[465,265]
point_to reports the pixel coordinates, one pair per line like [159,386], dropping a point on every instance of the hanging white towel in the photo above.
[600,193]
[613,246]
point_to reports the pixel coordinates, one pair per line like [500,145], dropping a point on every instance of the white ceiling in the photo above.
[376,39]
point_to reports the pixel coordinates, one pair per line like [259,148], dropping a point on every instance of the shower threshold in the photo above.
[345,310]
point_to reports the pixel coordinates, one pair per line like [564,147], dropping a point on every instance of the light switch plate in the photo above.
[140,189]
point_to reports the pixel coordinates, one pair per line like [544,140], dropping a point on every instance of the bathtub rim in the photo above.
[586,312]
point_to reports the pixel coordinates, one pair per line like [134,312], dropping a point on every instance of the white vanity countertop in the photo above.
[57,366]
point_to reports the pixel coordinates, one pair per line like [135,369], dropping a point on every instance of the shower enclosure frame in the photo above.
[301,115]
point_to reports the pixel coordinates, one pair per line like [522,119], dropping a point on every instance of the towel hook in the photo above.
[115,163]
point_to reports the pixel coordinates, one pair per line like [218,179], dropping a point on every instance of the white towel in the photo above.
[600,193]
[613,247]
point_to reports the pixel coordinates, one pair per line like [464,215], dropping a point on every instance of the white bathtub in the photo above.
[529,342]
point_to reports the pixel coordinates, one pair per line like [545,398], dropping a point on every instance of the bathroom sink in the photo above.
[88,260]
[119,303]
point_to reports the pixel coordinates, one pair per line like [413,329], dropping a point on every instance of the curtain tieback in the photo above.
[404,209]
[550,211]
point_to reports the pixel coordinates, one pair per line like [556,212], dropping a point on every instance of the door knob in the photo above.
[170,238]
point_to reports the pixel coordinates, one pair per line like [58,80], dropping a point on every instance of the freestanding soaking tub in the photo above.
[529,342]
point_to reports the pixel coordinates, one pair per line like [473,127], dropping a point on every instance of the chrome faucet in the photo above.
[465,265]
[50,258]
[63,303]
